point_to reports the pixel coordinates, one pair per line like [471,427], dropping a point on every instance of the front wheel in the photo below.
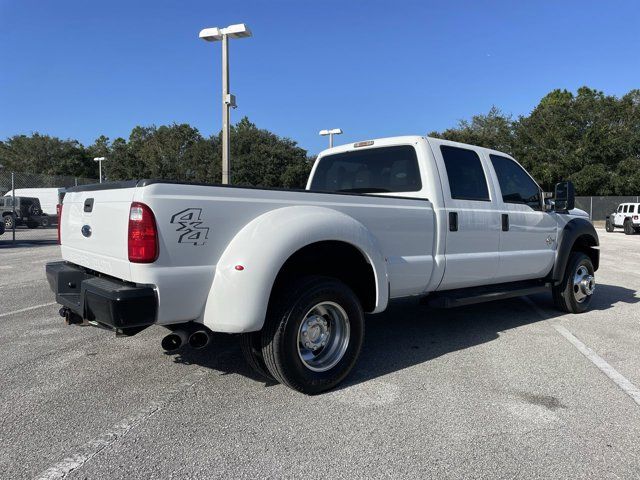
[608,225]
[575,291]
[9,222]
[313,334]
[628,228]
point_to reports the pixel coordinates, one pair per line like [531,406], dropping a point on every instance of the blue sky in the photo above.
[78,69]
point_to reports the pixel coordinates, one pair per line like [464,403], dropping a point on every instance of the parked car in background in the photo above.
[26,211]
[48,197]
[626,216]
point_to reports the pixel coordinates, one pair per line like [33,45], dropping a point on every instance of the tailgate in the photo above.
[94,229]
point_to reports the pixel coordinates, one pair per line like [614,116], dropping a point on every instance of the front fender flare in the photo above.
[572,231]
[238,299]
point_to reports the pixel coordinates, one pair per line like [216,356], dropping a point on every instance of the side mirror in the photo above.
[565,197]
[546,202]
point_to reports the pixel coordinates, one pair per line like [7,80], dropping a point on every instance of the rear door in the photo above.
[473,229]
[94,230]
[528,235]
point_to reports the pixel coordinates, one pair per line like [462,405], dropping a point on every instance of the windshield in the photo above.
[374,170]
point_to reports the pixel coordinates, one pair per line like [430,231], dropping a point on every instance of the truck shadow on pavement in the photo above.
[408,334]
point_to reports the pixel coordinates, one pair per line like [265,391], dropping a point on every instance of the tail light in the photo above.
[143,234]
[59,214]
[635,217]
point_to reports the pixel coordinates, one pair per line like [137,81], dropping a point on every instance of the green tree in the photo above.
[261,158]
[179,152]
[493,130]
[42,154]
[588,137]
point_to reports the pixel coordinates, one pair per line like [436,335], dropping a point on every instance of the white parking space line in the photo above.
[621,381]
[626,386]
[26,309]
[95,446]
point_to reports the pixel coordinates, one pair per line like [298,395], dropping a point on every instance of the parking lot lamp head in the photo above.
[215,34]
[330,133]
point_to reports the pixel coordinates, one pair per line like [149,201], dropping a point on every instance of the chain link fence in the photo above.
[599,207]
[28,203]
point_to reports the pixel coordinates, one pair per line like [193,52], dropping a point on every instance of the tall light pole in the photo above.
[331,133]
[228,100]
[99,160]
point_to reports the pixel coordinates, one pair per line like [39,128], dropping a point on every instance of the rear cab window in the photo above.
[467,180]
[372,170]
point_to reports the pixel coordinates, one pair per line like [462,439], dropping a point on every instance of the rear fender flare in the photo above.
[238,299]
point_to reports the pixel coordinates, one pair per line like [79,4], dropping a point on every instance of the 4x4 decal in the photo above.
[190,228]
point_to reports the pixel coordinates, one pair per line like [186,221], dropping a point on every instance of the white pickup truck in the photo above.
[293,272]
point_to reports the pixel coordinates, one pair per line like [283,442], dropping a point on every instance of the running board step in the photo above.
[471,296]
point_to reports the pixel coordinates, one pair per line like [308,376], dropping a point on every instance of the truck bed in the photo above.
[196,223]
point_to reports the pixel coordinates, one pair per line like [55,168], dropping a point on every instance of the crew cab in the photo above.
[626,216]
[293,272]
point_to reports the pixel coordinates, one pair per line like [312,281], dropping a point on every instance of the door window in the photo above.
[632,208]
[620,209]
[466,176]
[515,183]
[625,209]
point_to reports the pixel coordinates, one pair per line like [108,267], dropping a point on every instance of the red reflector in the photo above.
[143,234]
[239,268]
[59,213]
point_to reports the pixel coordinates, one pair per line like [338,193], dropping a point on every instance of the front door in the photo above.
[528,235]
[618,219]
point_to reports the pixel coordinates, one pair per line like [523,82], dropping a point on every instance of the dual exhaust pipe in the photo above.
[177,339]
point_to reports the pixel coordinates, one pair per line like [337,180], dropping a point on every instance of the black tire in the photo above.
[44,222]
[608,225]
[251,346]
[565,295]
[282,348]
[628,228]
[9,222]
[31,224]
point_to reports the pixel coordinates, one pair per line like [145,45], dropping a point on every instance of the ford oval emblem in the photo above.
[86,231]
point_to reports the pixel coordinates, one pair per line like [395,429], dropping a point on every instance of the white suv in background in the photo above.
[626,216]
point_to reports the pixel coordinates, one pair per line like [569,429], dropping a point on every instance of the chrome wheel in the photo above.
[583,284]
[323,336]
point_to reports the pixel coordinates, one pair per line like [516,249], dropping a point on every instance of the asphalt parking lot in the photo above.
[490,391]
